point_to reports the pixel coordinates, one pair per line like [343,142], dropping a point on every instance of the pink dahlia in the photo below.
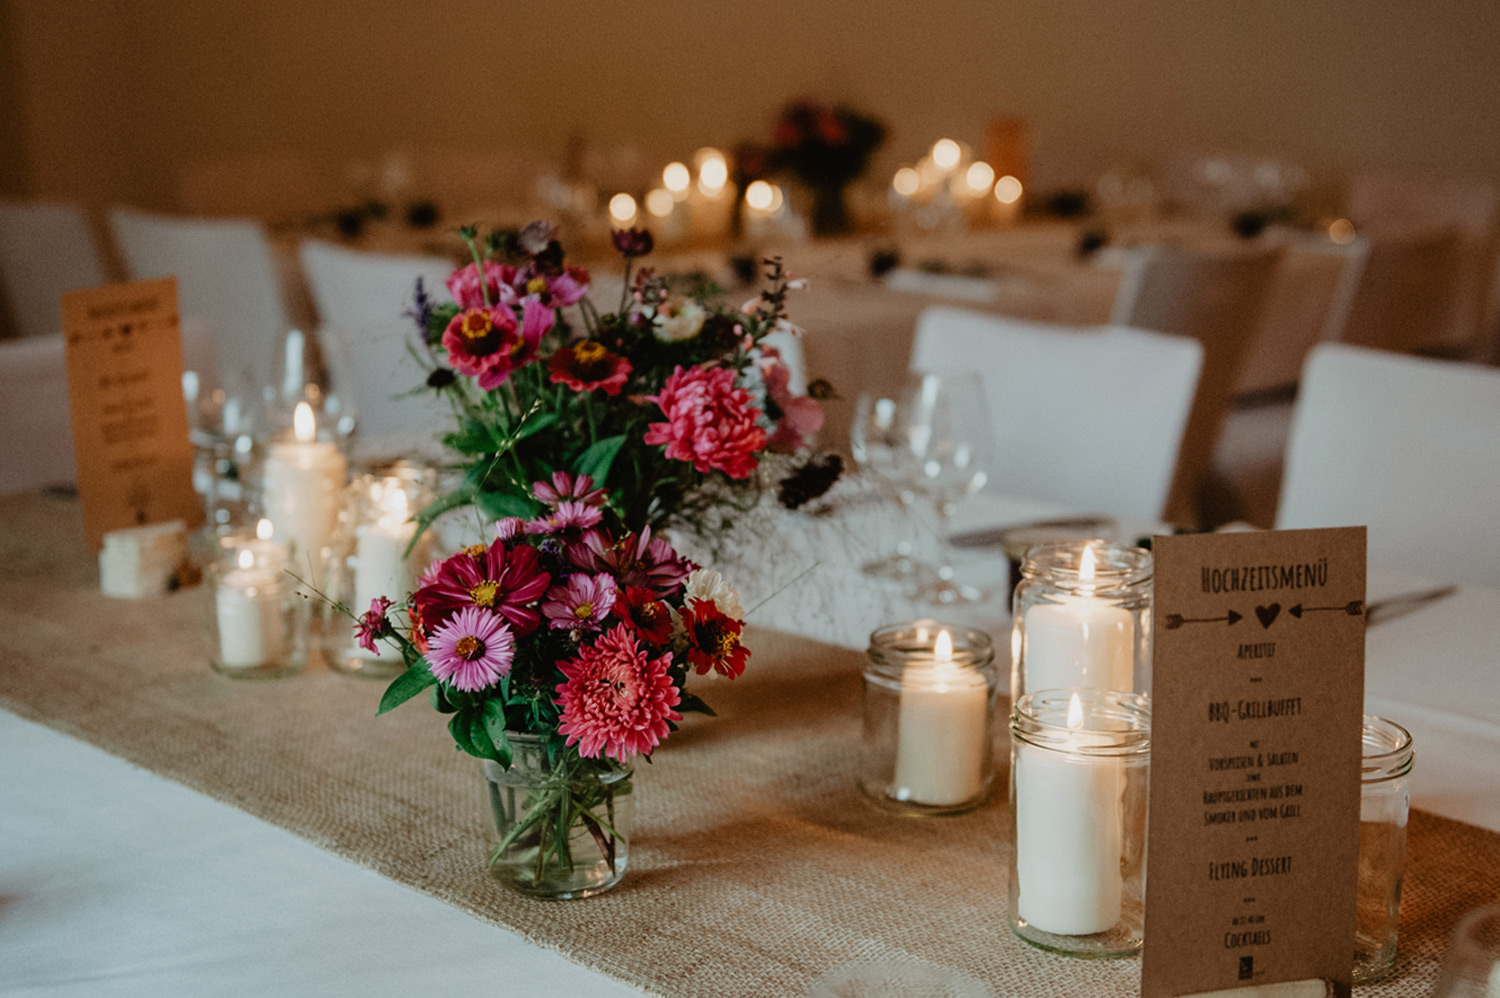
[617,699]
[564,487]
[570,518]
[709,421]
[800,416]
[635,560]
[472,650]
[507,581]
[373,624]
[582,604]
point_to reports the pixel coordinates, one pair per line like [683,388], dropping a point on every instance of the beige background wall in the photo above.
[100,100]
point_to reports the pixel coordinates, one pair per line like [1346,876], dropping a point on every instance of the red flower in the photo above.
[488,344]
[713,639]
[587,365]
[617,700]
[635,560]
[639,607]
[709,421]
[506,581]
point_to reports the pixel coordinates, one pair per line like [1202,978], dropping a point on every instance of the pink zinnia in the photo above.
[800,416]
[709,421]
[488,344]
[617,700]
[472,650]
[582,604]
[565,487]
[507,581]
[635,560]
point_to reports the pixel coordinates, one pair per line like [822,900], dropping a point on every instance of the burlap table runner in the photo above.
[755,867]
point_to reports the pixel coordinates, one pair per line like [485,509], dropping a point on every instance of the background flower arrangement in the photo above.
[827,148]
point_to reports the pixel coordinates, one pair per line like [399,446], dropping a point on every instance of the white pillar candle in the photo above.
[1069,835]
[942,738]
[248,607]
[303,480]
[1078,642]
[381,565]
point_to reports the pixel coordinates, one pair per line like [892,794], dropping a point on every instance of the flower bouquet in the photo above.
[560,651]
[827,148]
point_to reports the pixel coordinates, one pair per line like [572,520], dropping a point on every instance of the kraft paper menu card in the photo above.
[1257,708]
[130,430]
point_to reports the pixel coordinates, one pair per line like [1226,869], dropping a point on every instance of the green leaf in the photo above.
[484,747]
[472,439]
[440,703]
[497,505]
[405,686]
[494,725]
[596,461]
[458,727]
[692,704]
[536,425]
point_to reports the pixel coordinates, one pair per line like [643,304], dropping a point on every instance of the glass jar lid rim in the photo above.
[1115,564]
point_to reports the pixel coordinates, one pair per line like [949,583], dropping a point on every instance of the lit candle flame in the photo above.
[264,529]
[758,195]
[946,153]
[1086,566]
[713,171]
[675,177]
[907,181]
[1007,190]
[1075,713]
[622,208]
[659,202]
[396,502]
[980,176]
[943,649]
[304,425]
[247,558]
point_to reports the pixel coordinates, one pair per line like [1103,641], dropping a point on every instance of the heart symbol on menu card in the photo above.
[1267,614]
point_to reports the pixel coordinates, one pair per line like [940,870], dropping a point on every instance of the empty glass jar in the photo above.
[1383,808]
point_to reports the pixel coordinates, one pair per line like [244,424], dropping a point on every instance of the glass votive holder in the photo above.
[1080,765]
[259,617]
[1082,617]
[375,552]
[929,694]
[1383,809]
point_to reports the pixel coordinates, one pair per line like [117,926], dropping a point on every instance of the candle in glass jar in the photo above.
[247,603]
[303,478]
[1079,641]
[381,564]
[942,730]
[1069,834]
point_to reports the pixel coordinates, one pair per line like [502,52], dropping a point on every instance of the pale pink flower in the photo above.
[801,416]
[582,604]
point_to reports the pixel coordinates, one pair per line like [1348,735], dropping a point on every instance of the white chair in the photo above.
[1091,418]
[1406,446]
[362,298]
[227,279]
[36,426]
[45,250]
[1215,298]
[1398,292]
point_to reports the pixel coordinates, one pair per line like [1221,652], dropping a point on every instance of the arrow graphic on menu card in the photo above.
[1176,620]
[1353,608]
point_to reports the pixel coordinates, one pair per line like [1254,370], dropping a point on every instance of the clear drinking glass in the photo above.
[1384,805]
[1471,967]
[878,443]
[948,433]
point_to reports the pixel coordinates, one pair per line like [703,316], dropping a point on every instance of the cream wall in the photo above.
[101,100]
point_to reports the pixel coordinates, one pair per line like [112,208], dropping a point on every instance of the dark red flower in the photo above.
[713,639]
[633,242]
[373,624]
[587,365]
[639,607]
[634,560]
[508,581]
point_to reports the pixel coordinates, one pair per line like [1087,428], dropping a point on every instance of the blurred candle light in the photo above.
[659,202]
[778,198]
[622,208]
[1007,190]
[713,172]
[907,181]
[980,176]
[946,153]
[759,195]
[676,178]
[1341,231]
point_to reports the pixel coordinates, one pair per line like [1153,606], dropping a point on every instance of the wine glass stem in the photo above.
[945,544]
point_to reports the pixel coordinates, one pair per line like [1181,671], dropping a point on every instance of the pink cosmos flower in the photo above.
[582,604]
[709,421]
[617,700]
[488,344]
[464,285]
[472,650]
[565,487]
[566,517]
[372,624]
[800,416]
[508,528]
[560,289]
[507,581]
[635,560]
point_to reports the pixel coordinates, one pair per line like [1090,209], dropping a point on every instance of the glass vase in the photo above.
[561,829]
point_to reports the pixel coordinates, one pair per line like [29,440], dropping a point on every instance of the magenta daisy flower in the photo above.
[582,604]
[508,528]
[635,560]
[472,650]
[507,581]
[565,487]
[567,516]
[617,700]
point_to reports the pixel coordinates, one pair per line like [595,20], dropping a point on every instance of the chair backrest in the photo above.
[36,426]
[1091,418]
[362,298]
[45,250]
[1397,292]
[228,279]
[1216,298]
[270,186]
[1407,446]
[1301,295]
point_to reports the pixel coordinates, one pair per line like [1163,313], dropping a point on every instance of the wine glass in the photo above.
[948,435]
[878,442]
[1471,967]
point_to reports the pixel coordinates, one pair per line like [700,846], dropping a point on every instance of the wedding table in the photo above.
[171,831]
